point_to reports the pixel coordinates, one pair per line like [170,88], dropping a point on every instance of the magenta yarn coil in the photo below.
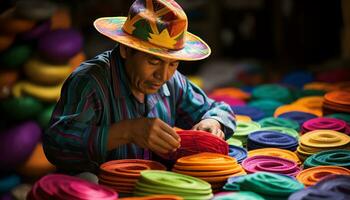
[58,186]
[270,164]
[324,123]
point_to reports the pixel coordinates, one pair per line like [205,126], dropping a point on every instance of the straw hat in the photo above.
[158,27]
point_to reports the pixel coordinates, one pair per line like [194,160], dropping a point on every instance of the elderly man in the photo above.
[125,102]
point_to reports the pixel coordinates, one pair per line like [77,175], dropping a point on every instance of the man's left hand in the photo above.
[210,125]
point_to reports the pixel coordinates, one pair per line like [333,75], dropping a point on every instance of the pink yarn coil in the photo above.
[58,186]
[324,123]
[270,164]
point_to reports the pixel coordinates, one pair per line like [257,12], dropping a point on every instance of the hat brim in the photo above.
[194,47]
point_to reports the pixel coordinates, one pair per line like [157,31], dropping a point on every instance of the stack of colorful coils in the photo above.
[270,164]
[237,152]
[330,187]
[311,102]
[297,116]
[267,105]
[275,152]
[324,123]
[155,197]
[57,186]
[337,102]
[321,140]
[164,182]
[295,108]
[263,139]
[267,185]
[244,129]
[211,167]
[280,129]
[312,175]
[280,122]
[193,142]
[337,157]
[254,113]
[121,175]
[272,91]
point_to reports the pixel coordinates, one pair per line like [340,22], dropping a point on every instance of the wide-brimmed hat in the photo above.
[158,27]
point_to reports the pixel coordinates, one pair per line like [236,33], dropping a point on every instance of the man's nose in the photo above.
[162,73]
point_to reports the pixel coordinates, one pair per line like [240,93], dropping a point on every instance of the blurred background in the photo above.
[302,45]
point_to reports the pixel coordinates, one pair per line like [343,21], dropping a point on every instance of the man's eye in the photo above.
[153,62]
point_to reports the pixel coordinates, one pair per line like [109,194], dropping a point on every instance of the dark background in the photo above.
[279,34]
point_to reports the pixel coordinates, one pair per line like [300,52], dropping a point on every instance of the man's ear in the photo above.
[122,49]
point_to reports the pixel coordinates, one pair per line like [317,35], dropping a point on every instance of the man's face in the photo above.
[146,72]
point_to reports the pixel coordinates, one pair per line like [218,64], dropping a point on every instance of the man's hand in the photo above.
[210,125]
[154,134]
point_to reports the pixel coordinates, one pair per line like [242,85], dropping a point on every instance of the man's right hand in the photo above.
[150,133]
